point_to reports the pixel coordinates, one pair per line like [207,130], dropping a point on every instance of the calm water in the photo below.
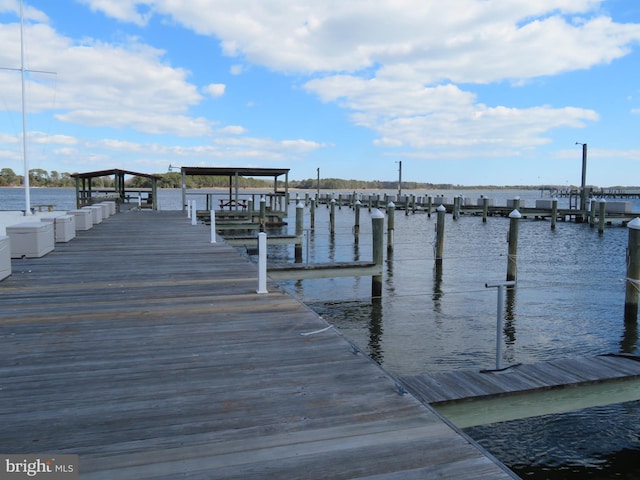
[569,302]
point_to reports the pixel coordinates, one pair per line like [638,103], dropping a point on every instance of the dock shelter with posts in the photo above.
[87,193]
[235,205]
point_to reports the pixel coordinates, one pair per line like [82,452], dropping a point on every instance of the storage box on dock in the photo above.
[512,202]
[5,257]
[618,207]
[480,202]
[31,239]
[544,203]
[96,213]
[106,210]
[64,227]
[112,206]
[84,220]
[440,200]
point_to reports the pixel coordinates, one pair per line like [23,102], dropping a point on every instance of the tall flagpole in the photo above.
[27,193]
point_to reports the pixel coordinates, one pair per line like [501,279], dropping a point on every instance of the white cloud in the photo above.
[215,90]
[232,130]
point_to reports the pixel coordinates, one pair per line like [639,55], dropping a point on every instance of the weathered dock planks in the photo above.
[469,398]
[144,348]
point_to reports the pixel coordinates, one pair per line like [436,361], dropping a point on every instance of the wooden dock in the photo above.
[145,349]
[472,397]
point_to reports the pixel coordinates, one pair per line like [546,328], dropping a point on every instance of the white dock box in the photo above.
[511,203]
[106,210]
[64,227]
[96,213]
[480,202]
[5,257]
[618,207]
[544,204]
[112,207]
[84,219]
[31,239]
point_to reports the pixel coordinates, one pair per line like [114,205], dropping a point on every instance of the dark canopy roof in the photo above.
[230,171]
[115,171]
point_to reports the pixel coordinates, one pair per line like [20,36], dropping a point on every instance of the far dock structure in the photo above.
[87,193]
[235,207]
[144,348]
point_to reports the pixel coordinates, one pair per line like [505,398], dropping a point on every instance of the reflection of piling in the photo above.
[601,215]
[377,227]
[299,231]
[356,226]
[391,224]
[633,272]
[440,233]
[512,257]
[554,213]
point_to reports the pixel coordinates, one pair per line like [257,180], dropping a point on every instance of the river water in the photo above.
[569,301]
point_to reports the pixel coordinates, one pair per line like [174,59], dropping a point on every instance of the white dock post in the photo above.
[212,214]
[262,263]
[188,208]
[194,216]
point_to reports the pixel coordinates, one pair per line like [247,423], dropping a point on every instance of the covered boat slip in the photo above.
[145,349]
[87,193]
[234,200]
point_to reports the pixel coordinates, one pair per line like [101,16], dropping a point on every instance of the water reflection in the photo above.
[375,331]
[437,287]
[629,341]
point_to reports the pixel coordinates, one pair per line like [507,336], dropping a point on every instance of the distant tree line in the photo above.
[42,178]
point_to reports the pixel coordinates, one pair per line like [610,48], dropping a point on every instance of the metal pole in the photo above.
[500,286]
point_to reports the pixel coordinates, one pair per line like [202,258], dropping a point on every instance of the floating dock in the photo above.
[144,348]
[471,397]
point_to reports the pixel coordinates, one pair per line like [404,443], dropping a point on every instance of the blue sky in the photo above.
[465,91]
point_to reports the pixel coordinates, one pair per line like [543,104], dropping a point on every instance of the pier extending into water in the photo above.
[144,348]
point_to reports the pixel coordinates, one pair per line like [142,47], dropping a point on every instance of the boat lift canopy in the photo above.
[234,174]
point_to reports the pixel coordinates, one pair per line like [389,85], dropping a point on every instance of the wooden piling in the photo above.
[377,228]
[512,257]
[602,215]
[356,226]
[312,214]
[485,209]
[440,233]
[299,231]
[332,217]
[391,224]
[456,207]
[429,205]
[263,211]
[592,213]
[554,213]
[633,272]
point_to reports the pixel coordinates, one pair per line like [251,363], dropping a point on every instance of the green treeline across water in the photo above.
[42,178]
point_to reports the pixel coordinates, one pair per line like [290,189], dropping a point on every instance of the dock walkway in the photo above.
[144,348]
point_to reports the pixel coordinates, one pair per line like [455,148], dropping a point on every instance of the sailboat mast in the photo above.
[27,193]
